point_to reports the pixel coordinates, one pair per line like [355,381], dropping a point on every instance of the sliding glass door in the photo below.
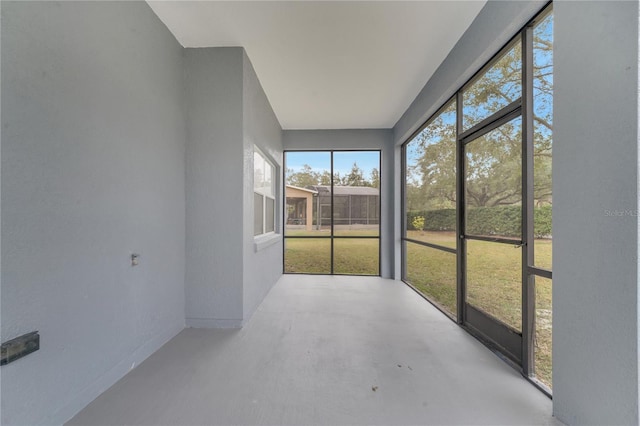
[332,212]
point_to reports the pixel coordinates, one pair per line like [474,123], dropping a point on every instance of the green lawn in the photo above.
[327,232]
[309,256]
[493,275]
[355,256]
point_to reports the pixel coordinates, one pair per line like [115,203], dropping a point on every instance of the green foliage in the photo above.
[542,222]
[354,178]
[306,176]
[418,223]
[434,220]
[375,178]
[493,161]
[302,178]
[499,220]
[504,221]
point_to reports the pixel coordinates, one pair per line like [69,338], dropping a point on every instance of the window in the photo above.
[430,210]
[264,197]
[542,195]
[332,221]
[477,203]
[495,88]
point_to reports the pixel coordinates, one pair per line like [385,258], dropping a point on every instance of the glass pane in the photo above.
[257,214]
[543,342]
[307,255]
[493,182]
[430,184]
[270,214]
[542,139]
[258,171]
[494,280]
[356,256]
[494,89]
[307,193]
[356,187]
[268,178]
[433,273]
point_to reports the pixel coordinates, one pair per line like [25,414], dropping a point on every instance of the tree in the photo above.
[325,178]
[306,176]
[493,161]
[375,178]
[493,167]
[302,178]
[431,158]
[355,177]
[543,110]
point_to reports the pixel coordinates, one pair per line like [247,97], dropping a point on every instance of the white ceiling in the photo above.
[329,64]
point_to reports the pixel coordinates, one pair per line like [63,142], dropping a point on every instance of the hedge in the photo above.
[500,220]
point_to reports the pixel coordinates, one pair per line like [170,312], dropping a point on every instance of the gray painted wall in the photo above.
[262,267]
[227,114]
[93,137]
[595,162]
[361,139]
[214,253]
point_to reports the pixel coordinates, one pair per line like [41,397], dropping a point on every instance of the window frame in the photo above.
[332,237]
[271,194]
[522,107]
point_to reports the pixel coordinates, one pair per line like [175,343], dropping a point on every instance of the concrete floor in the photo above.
[325,350]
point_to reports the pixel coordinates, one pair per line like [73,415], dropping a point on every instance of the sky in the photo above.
[342,161]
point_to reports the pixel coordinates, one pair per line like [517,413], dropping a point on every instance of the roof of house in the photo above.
[302,189]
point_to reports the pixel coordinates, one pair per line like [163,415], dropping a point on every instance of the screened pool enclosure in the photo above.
[354,207]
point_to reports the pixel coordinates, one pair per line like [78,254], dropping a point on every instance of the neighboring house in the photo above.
[299,207]
[353,206]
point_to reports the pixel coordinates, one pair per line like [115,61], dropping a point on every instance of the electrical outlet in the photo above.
[20,346]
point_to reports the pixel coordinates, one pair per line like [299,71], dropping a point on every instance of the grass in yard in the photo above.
[433,273]
[542,249]
[307,255]
[338,231]
[494,280]
[543,343]
[356,256]
[446,239]
[313,256]
[304,233]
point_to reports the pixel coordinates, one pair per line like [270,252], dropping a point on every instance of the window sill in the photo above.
[261,242]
